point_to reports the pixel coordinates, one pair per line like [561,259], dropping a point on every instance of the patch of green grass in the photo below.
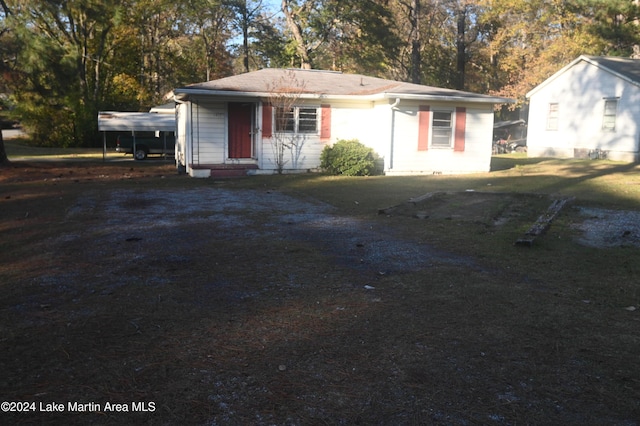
[599,182]
[21,150]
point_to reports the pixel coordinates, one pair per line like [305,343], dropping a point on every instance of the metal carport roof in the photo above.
[112,121]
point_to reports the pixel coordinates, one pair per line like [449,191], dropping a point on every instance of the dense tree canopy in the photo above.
[64,60]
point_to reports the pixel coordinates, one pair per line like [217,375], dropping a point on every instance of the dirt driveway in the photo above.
[155,285]
[216,305]
[130,229]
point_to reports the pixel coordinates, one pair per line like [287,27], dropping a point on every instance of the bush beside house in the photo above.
[349,158]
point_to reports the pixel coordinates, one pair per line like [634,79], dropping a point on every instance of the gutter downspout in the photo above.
[393,107]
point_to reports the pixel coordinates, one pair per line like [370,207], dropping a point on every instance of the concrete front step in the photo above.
[221,170]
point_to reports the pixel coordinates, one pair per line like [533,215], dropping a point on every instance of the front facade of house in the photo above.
[253,122]
[590,108]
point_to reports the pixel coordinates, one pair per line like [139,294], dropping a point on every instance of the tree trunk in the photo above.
[461,47]
[296,30]
[245,36]
[245,45]
[416,44]
[4,160]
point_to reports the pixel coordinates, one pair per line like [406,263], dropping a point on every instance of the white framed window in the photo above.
[296,120]
[553,116]
[609,114]
[442,129]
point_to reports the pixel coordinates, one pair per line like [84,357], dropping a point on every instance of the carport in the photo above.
[113,121]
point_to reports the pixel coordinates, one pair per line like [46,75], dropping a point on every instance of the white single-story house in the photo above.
[589,108]
[280,120]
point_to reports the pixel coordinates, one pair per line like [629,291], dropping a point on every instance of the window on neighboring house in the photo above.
[296,120]
[610,113]
[552,117]
[442,129]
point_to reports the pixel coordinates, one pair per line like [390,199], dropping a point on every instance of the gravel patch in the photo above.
[604,228]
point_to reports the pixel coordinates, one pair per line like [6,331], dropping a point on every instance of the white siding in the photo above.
[359,121]
[349,120]
[580,93]
[476,157]
[372,125]
[304,154]
[208,132]
[403,154]
[303,158]
[478,141]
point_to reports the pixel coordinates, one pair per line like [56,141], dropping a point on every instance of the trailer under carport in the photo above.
[113,121]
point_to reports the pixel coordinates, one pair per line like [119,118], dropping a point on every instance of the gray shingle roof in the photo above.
[328,83]
[629,68]
[626,68]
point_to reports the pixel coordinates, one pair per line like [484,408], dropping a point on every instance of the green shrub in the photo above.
[349,158]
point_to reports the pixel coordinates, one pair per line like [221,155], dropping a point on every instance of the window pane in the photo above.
[609,118]
[552,117]
[285,120]
[307,120]
[610,107]
[441,119]
[441,136]
[609,123]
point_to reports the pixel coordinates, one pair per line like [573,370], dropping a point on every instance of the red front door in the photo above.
[240,130]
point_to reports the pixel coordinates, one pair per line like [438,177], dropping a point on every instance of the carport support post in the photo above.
[104,146]
[133,150]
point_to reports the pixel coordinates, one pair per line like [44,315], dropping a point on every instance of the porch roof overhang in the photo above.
[183,94]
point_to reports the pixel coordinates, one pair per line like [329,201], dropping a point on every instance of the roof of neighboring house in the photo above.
[325,84]
[625,68]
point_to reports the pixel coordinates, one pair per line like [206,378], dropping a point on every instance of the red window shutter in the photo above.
[325,125]
[461,124]
[267,120]
[424,122]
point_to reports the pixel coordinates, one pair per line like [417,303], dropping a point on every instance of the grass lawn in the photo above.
[19,150]
[303,300]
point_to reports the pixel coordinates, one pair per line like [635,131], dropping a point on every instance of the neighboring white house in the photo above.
[589,108]
[231,123]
